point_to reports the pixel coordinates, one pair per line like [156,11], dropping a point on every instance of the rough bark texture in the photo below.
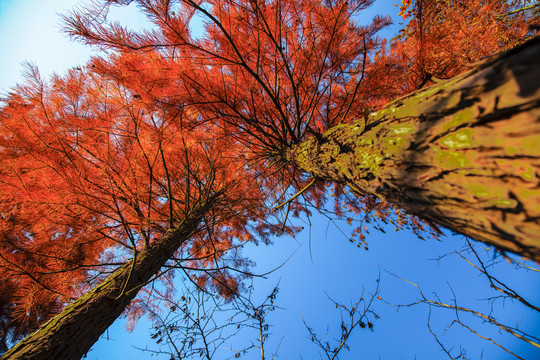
[464,153]
[71,333]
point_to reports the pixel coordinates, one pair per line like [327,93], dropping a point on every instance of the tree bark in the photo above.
[71,333]
[463,153]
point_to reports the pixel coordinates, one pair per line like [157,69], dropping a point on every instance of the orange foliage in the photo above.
[445,37]
[96,164]
[276,71]
[92,172]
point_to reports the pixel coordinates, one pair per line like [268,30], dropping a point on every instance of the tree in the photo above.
[200,324]
[359,314]
[462,153]
[307,67]
[445,38]
[99,189]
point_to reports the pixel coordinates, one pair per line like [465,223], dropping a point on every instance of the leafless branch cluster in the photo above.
[201,325]
[356,315]
[501,292]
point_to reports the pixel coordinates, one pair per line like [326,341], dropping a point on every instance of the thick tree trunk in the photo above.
[464,153]
[71,333]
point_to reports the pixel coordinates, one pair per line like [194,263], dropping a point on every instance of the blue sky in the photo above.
[322,262]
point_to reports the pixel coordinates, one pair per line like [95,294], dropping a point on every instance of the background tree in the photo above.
[201,325]
[356,315]
[491,317]
[445,38]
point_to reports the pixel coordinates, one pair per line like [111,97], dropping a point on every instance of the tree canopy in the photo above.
[106,160]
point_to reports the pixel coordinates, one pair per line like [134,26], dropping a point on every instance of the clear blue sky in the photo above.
[30,31]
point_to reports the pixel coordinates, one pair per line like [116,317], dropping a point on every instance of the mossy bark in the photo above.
[71,333]
[464,153]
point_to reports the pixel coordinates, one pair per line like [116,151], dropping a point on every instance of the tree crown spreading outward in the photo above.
[179,146]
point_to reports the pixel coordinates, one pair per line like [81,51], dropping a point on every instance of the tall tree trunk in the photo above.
[71,333]
[464,153]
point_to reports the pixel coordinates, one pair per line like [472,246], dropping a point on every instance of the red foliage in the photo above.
[91,172]
[445,37]
[102,161]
